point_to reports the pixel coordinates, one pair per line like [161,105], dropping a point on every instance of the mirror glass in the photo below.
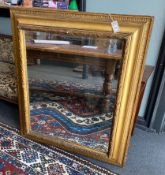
[73,81]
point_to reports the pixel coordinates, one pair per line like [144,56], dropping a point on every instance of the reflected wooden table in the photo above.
[79,55]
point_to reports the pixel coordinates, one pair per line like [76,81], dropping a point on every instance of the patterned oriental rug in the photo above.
[71,118]
[20,156]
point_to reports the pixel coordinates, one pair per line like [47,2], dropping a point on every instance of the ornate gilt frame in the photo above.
[135,30]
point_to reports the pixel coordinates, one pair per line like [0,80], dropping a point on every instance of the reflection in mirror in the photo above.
[73,82]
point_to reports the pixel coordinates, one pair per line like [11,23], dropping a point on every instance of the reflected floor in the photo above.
[65,106]
[71,119]
[57,73]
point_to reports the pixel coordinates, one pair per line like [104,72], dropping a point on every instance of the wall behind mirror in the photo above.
[5,26]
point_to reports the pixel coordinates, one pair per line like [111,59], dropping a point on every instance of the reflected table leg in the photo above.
[85,71]
[107,86]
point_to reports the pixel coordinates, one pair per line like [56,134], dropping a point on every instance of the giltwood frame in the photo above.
[135,30]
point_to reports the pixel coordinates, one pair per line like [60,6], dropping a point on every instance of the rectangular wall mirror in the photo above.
[78,81]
